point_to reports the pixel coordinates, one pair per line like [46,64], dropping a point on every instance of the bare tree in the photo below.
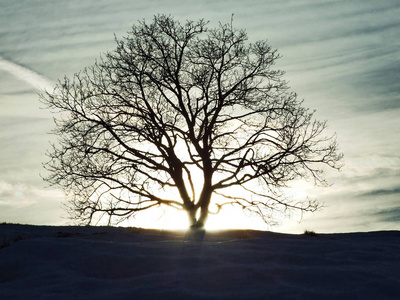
[183,116]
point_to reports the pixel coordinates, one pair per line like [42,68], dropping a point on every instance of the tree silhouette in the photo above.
[177,114]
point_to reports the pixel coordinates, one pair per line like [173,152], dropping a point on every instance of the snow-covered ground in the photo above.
[44,262]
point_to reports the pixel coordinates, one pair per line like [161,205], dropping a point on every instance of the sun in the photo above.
[172,219]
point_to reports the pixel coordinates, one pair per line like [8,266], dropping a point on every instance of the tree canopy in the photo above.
[188,117]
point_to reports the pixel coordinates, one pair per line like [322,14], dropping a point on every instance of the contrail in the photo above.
[34,79]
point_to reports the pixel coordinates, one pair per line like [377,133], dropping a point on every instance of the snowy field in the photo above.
[44,262]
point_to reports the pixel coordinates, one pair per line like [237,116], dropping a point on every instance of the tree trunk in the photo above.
[201,222]
[196,230]
[204,202]
[192,217]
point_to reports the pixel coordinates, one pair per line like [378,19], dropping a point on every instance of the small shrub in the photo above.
[310,233]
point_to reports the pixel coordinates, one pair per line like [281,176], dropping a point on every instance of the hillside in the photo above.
[45,262]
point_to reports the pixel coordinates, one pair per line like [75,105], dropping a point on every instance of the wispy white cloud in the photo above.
[14,194]
[30,204]
[22,195]
[29,76]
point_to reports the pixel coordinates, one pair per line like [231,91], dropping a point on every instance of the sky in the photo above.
[341,57]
